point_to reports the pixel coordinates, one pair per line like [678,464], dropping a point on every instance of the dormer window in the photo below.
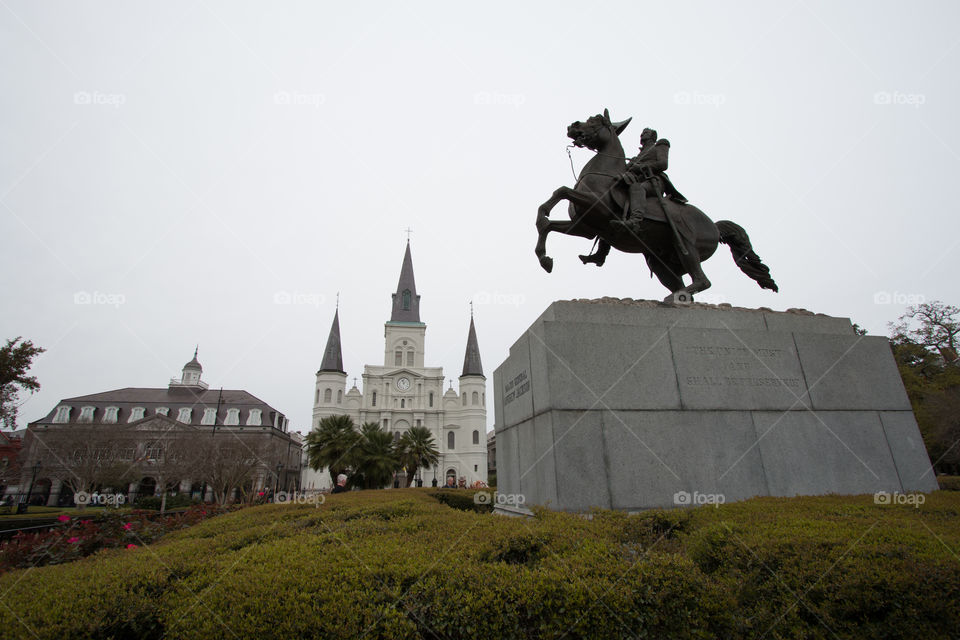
[163,411]
[406,299]
[253,420]
[86,414]
[63,415]
[184,415]
[110,415]
[233,417]
[136,414]
[209,416]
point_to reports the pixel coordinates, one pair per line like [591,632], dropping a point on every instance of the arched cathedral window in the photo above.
[406,299]
[451,440]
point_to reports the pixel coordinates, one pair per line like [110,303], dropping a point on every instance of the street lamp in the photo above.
[22,508]
[434,476]
[276,487]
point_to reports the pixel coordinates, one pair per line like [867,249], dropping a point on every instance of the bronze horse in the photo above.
[599,197]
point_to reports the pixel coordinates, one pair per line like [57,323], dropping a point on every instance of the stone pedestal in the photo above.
[633,404]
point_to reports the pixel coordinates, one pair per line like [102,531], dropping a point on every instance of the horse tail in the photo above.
[736,238]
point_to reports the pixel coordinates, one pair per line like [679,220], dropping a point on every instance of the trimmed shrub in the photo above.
[479,500]
[178,501]
[949,483]
[399,564]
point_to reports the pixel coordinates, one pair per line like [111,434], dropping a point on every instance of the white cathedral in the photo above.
[403,393]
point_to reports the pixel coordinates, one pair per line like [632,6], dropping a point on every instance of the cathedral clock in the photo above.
[403,383]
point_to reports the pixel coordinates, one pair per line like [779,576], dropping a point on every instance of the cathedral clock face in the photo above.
[403,383]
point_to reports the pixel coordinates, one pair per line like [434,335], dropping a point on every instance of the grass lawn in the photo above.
[398,564]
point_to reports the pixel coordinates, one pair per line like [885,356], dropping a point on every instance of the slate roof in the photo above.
[173,398]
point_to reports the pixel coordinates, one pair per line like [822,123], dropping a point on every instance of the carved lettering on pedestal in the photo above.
[516,387]
[733,366]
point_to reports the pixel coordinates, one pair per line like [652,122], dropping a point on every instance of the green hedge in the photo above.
[949,483]
[479,500]
[398,564]
[178,501]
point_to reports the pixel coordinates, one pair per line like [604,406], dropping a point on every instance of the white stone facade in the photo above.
[402,393]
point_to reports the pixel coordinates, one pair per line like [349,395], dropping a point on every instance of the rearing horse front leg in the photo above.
[545,225]
[543,228]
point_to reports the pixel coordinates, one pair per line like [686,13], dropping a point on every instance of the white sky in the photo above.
[183,163]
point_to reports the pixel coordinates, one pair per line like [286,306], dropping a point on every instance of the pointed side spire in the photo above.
[406,302]
[471,359]
[333,355]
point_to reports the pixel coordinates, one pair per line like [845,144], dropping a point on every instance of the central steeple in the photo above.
[406,302]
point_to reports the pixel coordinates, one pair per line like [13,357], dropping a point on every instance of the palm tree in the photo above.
[333,444]
[417,450]
[377,459]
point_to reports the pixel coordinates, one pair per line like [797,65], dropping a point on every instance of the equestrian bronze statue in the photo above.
[635,208]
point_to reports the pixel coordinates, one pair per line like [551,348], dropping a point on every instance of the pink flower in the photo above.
[73,539]
[64,518]
[131,546]
[128,526]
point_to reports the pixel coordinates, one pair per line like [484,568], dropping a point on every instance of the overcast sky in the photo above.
[175,173]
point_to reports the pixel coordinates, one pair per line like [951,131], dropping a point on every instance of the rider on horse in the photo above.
[645,177]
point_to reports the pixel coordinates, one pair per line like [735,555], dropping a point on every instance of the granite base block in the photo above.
[634,405]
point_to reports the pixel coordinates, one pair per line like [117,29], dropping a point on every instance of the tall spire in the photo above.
[332,355]
[471,359]
[406,302]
